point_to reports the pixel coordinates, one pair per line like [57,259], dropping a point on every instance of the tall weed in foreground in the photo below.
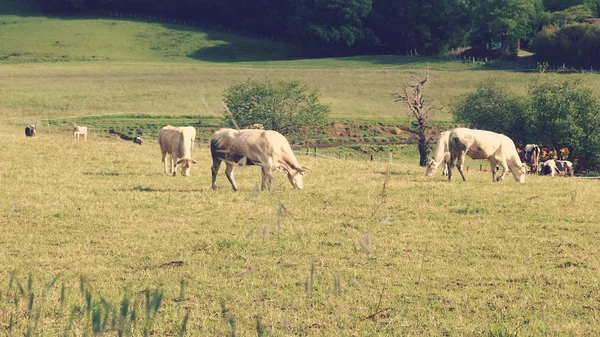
[91,315]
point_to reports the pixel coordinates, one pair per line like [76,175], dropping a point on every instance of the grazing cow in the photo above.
[80,131]
[532,157]
[177,143]
[554,167]
[441,155]
[268,149]
[480,144]
[138,140]
[255,126]
[30,131]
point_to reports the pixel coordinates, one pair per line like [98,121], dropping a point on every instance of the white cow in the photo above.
[80,131]
[480,144]
[177,143]
[532,157]
[268,149]
[441,155]
[138,140]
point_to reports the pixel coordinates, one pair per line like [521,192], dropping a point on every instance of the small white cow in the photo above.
[441,155]
[80,131]
[177,143]
[255,126]
[138,140]
[268,149]
[480,144]
[532,157]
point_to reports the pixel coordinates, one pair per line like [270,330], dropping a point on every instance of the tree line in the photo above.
[349,27]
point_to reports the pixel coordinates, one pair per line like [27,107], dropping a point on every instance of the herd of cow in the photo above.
[272,152]
[453,145]
[265,148]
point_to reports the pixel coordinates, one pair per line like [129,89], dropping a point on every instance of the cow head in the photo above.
[295,177]
[186,164]
[431,167]
[519,173]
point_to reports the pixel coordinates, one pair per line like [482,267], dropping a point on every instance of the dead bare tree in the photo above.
[412,95]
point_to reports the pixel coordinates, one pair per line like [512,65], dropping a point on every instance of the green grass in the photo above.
[390,254]
[366,249]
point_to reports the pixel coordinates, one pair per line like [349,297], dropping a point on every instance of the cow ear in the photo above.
[193,161]
[179,161]
[305,168]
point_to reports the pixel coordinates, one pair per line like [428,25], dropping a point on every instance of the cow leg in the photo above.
[215,169]
[229,167]
[164,160]
[267,178]
[459,165]
[449,165]
[174,164]
[504,170]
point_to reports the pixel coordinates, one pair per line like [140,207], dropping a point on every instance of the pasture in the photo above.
[96,239]
[367,248]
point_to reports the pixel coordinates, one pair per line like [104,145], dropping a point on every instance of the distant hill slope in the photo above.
[53,39]
[33,38]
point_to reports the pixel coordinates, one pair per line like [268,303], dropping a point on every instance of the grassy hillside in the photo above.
[366,248]
[58,67]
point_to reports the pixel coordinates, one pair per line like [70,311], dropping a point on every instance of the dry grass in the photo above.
[435,258]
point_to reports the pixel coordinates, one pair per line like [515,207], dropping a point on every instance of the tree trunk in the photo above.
[422,144]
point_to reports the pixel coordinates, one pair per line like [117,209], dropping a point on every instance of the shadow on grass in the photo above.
[117,174]
[159,190]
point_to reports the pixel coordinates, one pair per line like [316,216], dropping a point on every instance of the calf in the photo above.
[80,131]
[177,144]
[30,131]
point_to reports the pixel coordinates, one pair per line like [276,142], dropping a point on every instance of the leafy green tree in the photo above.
[329,23]
[428,26]
[593,6]
[492,107]
[283,106]
[566,115]
[573,14]
[501,24]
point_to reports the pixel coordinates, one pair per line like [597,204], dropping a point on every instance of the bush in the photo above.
[491,107]
[576,45]
[283,106]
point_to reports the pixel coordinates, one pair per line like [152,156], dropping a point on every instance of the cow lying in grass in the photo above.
[80,131]
[177,144]
[30,131]
[268,149]
[554,167]
[441,155]
[480,144]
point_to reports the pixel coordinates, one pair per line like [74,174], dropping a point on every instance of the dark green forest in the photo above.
[490,28]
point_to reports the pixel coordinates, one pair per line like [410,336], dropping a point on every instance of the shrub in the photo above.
[283,106]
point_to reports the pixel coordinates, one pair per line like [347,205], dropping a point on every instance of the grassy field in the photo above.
[366,249]
[55,67]
[97,240]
